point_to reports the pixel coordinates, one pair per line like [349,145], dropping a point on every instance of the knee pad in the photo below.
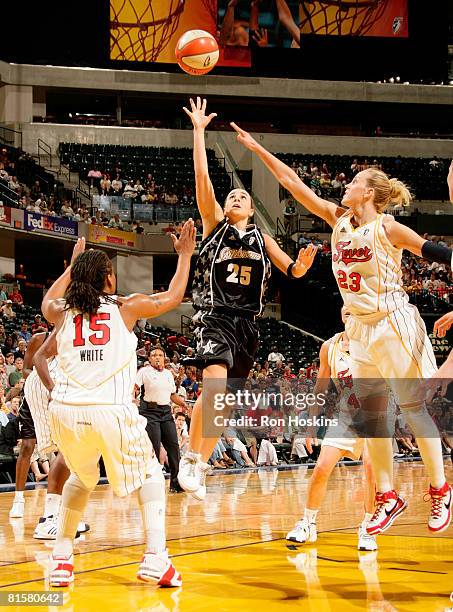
[75,493]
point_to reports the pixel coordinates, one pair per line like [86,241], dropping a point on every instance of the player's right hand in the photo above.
[185,244]
[79,248]
[244,137]
[198,113]
[442,325]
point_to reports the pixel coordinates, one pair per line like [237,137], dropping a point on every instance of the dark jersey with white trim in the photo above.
[232,270]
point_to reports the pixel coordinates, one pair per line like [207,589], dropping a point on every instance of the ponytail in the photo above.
[387,191]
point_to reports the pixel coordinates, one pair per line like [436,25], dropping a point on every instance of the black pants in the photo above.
[161,428]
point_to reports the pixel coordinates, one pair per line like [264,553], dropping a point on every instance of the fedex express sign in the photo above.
[34,222]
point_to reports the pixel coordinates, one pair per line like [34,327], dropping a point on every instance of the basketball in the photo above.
[197,52]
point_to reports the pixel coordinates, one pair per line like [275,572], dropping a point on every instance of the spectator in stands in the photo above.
[39,324]
[139,187]
[145,350]
[7,310]
[105,185]
[170,197]
[181,431]
[3,295]
[24,333]
[274,357]
[36,191]
[116,222]
[434,164]
[138,228]
[17,373]
[2,334]
[94,178]
[117,185]
[15,296]
[9,360]
[14,184]
[20,349]
[67,210]
[312,370]
[34,206]
[130,191]
[238,450]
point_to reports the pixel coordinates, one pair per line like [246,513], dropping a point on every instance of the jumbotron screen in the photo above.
[147,30]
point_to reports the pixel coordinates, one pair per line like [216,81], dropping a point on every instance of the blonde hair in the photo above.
[387,190]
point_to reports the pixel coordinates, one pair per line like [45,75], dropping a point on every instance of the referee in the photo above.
[155,406]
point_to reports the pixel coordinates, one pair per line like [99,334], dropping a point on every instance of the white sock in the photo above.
[151,498]
[19,496]
[310,515]
[381,455]
[366,519]
[68,520]
[52,505]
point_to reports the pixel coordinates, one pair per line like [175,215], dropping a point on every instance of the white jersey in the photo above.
[34,387]
[340,373]
[97,360]
[38,397]
[367,268]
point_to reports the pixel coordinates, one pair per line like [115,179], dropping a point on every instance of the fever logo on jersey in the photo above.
[397,23]
[348,256]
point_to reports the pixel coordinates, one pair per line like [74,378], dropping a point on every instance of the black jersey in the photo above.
[232,270]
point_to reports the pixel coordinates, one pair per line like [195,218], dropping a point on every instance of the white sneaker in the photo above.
[440,515]
[158,568]
[202,470]
[188,476]
[366,541]
[83,527]
[17,509]
[46,529]
[61,570]
[303,532]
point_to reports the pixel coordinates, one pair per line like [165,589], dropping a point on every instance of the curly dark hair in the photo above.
[88,276]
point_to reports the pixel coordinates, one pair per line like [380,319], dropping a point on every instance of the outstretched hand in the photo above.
[185,244]
[198,113]
[304,260]
[79,248]
[244,137]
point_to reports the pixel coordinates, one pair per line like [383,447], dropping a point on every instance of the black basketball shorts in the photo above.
[228,339]
[26,424]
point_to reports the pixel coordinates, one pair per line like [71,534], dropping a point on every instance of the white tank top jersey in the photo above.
[367,268]
[338,360]
[97,360]
[34,384]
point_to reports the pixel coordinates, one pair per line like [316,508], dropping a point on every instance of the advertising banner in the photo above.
[107,235]
[35,222]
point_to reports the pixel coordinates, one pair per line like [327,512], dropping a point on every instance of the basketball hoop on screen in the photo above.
[141,29]
[345,17]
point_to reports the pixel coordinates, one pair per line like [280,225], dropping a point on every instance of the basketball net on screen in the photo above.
[141,29]
[211,8]
[346,17]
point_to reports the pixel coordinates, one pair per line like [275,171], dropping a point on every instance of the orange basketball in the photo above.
[197,52]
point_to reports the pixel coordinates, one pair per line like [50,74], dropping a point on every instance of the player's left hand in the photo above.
[261,37]
[185,244]
[304,260]
[244,137]
[79,248]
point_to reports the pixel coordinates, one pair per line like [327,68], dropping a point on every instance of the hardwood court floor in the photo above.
[232,554]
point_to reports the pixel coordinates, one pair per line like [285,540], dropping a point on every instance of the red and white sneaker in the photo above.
[159,568]
[440,516]
[61,570]
[388,506]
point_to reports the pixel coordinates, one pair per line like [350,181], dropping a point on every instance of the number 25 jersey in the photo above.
[97,359]
[232,270]
[367,268]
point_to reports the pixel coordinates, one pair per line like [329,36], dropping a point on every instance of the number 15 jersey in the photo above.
[232,270]
[97,359]
[367,268]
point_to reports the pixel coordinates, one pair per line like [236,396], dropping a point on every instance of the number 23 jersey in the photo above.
[232,270]
[367,268]
[97,359]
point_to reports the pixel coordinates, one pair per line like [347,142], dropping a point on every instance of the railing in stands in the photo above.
[265,218]
[8,196]
[10,137]
[302,331]
[44,150]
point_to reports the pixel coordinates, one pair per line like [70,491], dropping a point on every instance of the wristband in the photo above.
[435,252]
[289,270]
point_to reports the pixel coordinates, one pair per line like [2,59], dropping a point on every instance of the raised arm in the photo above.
[283,261]
[35,342]
[228,22]
[210,211]
[290,181]
[140,306]
[52,307]
[404,238]
[286,18]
